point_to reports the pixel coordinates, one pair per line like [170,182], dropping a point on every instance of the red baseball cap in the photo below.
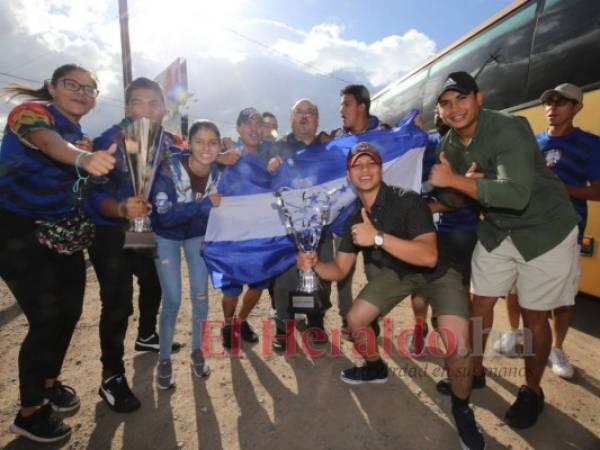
[360,149]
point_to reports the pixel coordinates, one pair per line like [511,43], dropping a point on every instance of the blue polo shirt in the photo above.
[31,183]
[463,219]
[575,159]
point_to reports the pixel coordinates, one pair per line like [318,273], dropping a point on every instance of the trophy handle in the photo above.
[155,163]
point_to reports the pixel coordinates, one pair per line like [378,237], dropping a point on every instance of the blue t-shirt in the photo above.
[31,183]
[575,159]
[464,219]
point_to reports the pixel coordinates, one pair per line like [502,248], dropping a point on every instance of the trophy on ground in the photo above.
[142,145]
[304,216]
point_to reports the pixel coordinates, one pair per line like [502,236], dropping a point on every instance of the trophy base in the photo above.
[140,241]
[304,302]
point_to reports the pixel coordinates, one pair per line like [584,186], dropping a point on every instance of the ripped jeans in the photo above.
[168,266]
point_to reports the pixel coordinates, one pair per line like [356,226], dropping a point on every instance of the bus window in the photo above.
[400,98]
[566,46]
[498,57]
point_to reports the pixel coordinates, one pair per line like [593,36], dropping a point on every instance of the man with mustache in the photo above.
[304,120]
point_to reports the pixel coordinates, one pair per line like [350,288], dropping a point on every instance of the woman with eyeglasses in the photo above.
[42,169]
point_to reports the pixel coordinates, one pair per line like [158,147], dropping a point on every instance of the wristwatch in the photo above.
[379,239]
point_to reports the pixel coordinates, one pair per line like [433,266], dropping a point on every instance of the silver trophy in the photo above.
[304,216]
[142,141]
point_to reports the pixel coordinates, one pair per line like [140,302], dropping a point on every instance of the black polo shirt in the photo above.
[401,213]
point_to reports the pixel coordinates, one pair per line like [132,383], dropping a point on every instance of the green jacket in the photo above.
[520,196]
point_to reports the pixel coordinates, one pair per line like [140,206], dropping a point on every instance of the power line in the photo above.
[29,61]
[285,55]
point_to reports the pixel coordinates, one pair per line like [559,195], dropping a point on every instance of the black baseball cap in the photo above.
[362,148]
[460,82]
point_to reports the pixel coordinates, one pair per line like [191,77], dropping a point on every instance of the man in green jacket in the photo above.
[529,230]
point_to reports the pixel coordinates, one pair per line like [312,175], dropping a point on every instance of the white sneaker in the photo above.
[507,343]
[560,363]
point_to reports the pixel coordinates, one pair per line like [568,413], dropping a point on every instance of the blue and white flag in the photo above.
[246,240]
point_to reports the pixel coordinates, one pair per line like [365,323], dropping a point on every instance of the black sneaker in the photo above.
[524,412]
[469,434]
[247,332]
[152,344]
[42,426]
[371,372]
[117,395]
[164,375]
[61,397]
[443,386]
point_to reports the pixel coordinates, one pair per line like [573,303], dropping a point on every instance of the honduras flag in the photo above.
[246,240]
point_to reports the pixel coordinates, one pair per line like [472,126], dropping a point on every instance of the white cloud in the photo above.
[380,62]
[234,60]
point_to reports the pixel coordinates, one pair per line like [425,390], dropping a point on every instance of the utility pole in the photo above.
[125,47]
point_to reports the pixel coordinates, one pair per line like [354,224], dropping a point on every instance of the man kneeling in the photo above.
[394,229]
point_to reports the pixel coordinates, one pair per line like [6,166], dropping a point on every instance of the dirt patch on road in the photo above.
[264,401]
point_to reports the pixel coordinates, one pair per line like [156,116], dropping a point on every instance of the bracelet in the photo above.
[77,162]
[80,178]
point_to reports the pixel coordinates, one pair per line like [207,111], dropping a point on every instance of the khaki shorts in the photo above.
[446,295]
[549,281]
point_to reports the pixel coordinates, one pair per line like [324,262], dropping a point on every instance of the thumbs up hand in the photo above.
[363,234]
[441,174]
[99,163]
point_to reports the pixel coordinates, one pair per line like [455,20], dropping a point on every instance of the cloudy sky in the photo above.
[261,53]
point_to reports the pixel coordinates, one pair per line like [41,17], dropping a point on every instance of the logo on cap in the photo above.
[360,149]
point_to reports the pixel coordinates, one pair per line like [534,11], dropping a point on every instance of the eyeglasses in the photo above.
[74,86]
[304,112]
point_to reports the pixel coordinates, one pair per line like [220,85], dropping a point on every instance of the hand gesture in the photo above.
[441,174]
[307,260]
[363,234]
[99,163]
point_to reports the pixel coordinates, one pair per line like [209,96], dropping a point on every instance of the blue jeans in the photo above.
[168,266]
